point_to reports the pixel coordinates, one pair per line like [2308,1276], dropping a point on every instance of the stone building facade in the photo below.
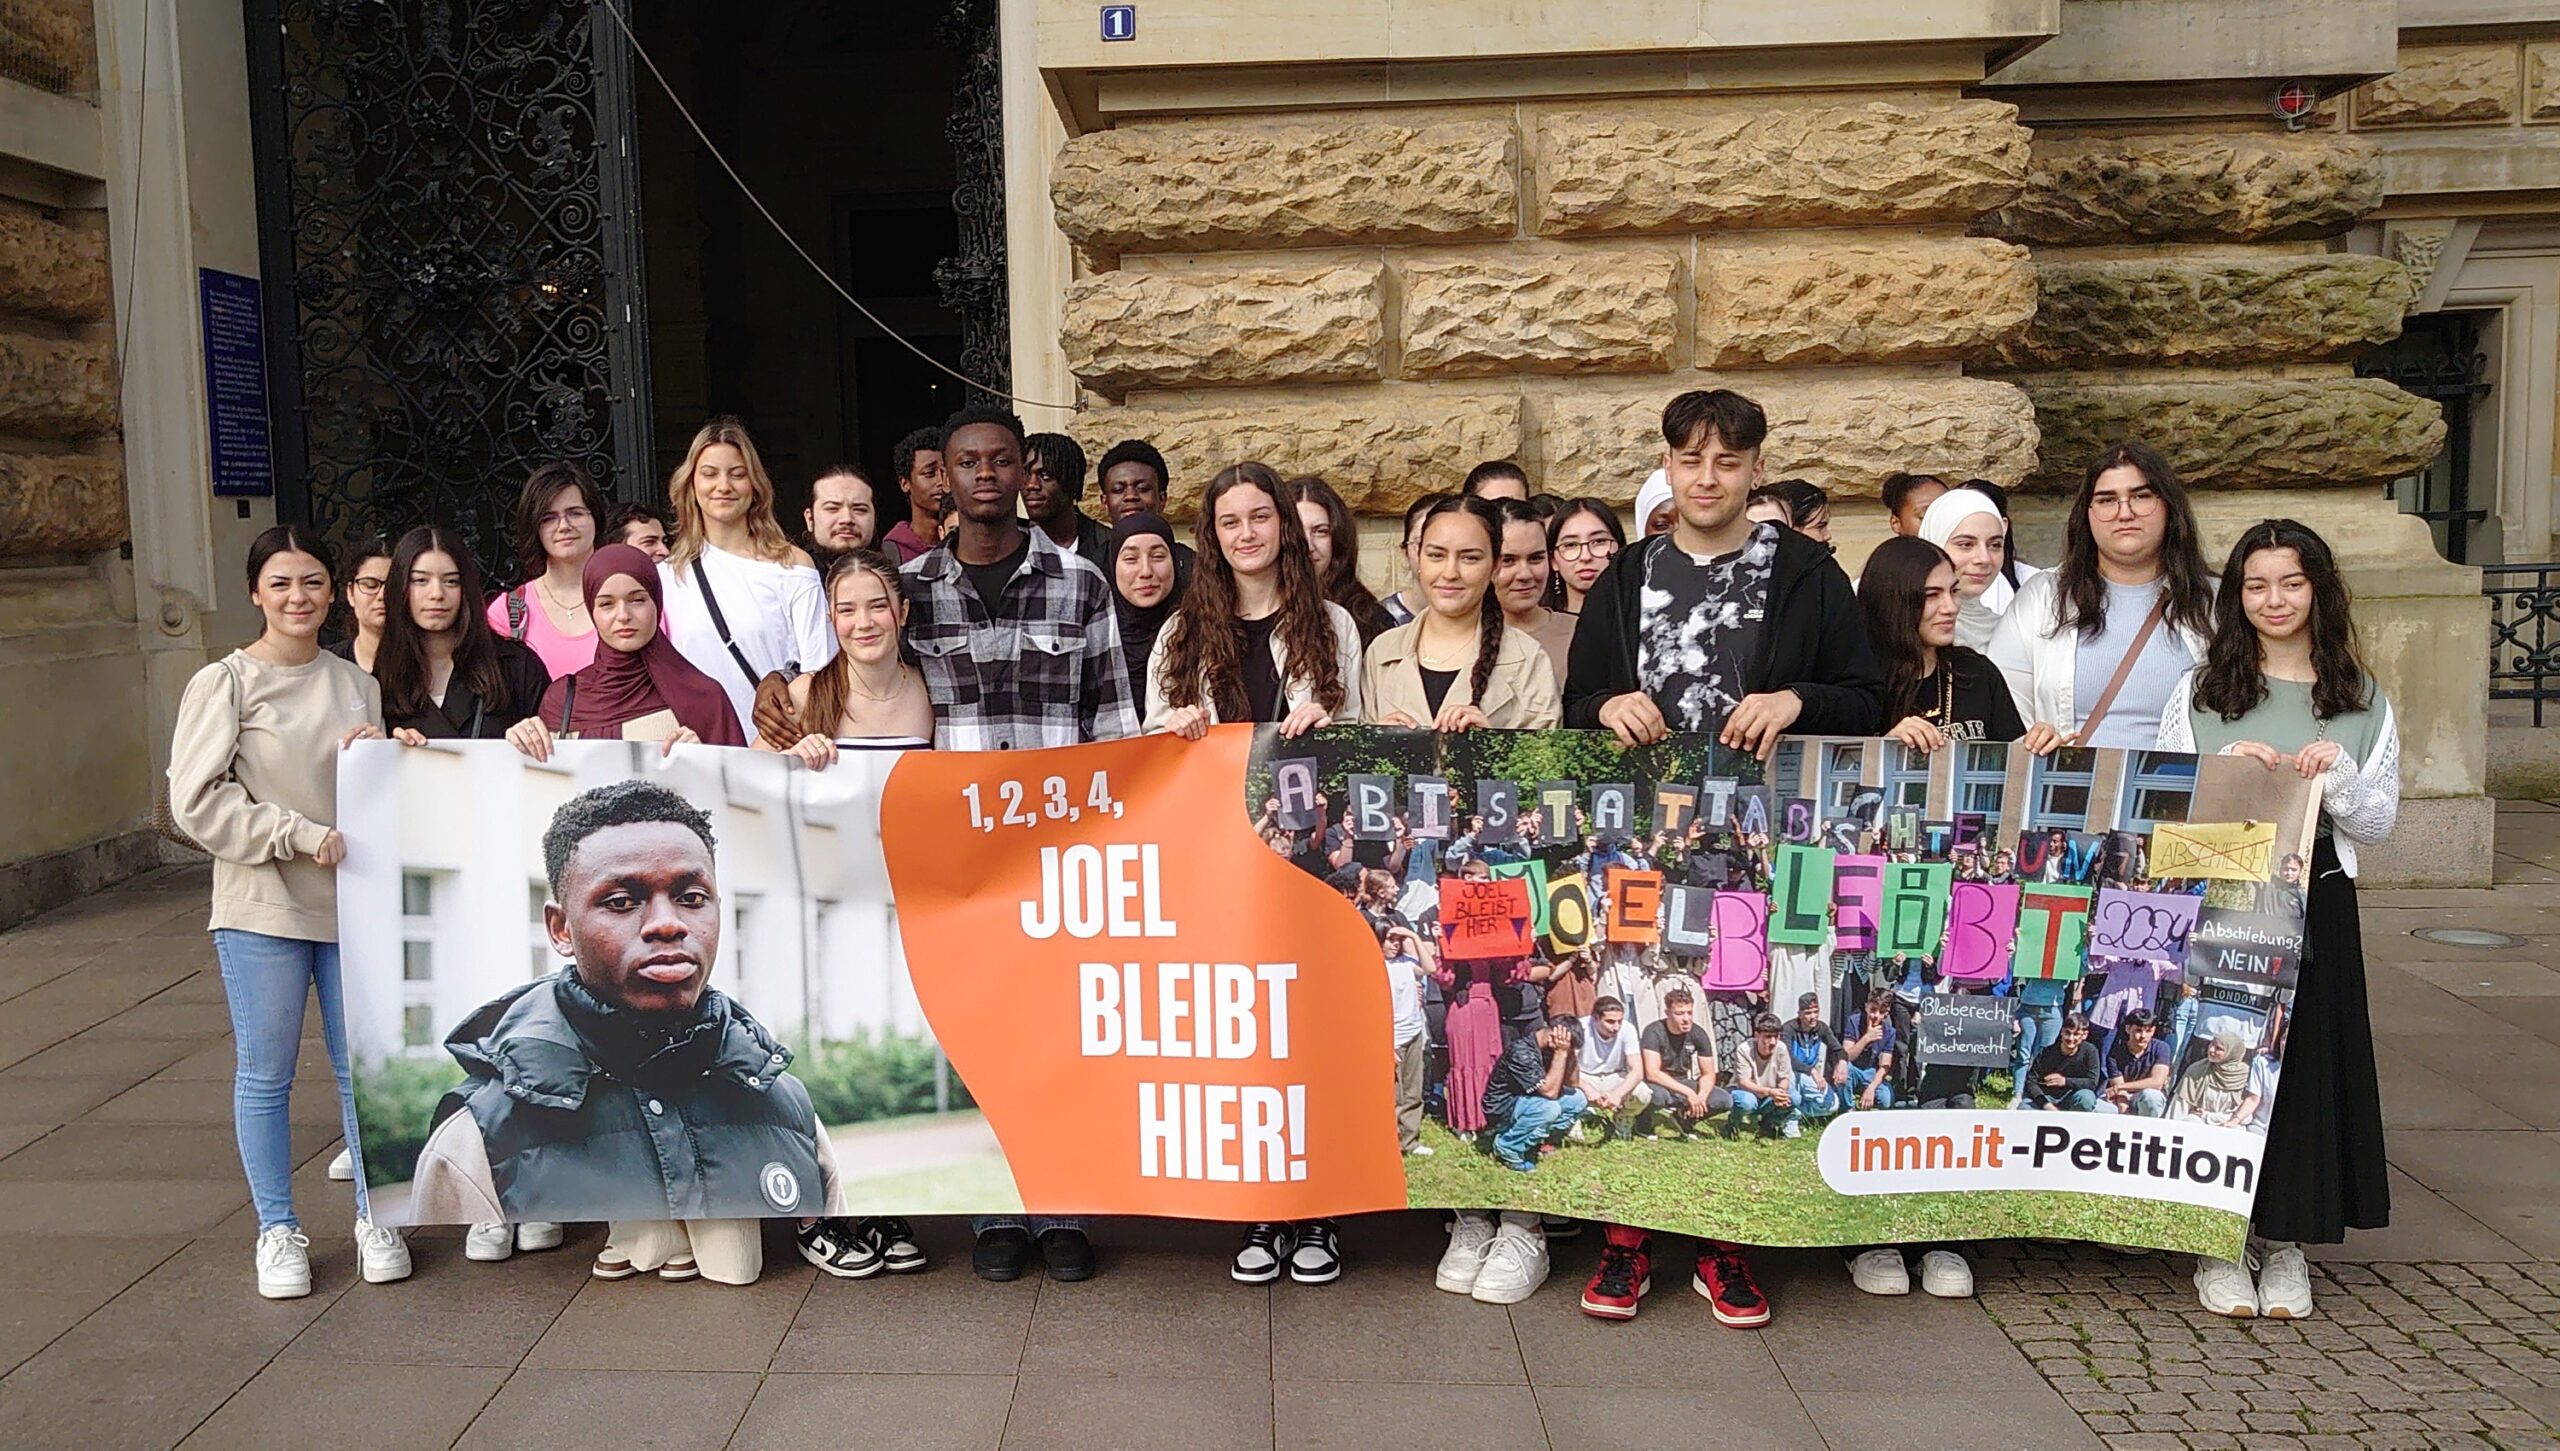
[1384,239]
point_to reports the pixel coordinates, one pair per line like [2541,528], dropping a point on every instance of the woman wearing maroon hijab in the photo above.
[638,672]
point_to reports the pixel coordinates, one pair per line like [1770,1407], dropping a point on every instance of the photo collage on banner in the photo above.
[1826,1000]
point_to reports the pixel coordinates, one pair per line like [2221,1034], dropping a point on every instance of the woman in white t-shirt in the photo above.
[742,602]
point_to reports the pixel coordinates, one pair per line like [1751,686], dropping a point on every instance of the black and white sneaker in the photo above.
[896,1241]
[839,1247]
[1317,1260]
[1265,1250]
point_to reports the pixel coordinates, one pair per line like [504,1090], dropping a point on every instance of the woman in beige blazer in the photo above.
[1458,666]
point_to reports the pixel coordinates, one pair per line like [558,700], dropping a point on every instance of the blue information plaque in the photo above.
[235,384]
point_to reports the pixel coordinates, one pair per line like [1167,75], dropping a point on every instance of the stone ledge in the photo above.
[1382,449]
[53,268]
[1586,310]
[2442,84]
[2245,434]
[2176,310]
[63,503]
[1859,302]
[1844,435]
[1314,324]
[37,885]
[1243,184]
[57,387]
[2191,187]
[1711,165]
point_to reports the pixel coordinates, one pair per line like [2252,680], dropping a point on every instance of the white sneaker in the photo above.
[538,1234]
[1944,1273]
[2284,1285]
[1791,1129]
[2224,1288]
[382,1253]
[489,1243]
[1420,1151]
[284,1263]
[1469,1236]
[1515,1264]
[1881,1272]
[343,1167]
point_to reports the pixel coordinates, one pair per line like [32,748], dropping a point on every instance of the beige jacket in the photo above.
[1296,689]
[1521,695]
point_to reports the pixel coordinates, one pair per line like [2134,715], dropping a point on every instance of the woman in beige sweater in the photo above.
[253,777]
[1459,665]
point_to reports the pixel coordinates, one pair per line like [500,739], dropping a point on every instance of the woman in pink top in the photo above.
[557,516]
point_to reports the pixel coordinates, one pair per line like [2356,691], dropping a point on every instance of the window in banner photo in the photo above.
[2163,786]
[730,972]
[2059,789]
[1982,780]
[1906,779]
[1786,771]
[418,944]
[538,937]
[1844,762]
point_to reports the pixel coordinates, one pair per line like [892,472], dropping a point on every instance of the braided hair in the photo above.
[1489,611]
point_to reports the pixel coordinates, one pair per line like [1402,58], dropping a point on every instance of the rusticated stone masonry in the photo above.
[61,472]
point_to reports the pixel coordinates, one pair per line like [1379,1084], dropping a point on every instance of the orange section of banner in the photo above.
[1158,1015]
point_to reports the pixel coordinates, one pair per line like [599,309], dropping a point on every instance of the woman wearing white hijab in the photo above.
[1654,498]
[1968,526]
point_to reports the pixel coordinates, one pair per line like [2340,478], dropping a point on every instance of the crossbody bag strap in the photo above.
[712,602]
[518,607]
[2124,668]
[568,702]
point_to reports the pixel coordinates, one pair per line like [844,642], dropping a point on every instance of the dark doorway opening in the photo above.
[835,112]
[2438,355]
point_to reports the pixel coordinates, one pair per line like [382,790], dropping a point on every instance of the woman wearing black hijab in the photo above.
[1145,586]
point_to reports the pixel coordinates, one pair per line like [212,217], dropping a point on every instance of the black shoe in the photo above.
[1260,1258]
[1560,1227]
[1067,1253]
[840,1247]
[1317,1257]
[896,1239]
[1001,1253]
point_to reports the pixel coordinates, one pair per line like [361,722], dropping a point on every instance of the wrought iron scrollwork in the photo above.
[972,281]
[450,256]
[2524,632]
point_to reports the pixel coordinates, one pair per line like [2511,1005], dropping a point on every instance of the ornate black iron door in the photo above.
[450,237]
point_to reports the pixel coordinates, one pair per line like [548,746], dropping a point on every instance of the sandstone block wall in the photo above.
[1482,281]
[61,472]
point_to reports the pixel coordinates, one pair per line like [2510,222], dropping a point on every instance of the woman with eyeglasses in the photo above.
[368,572]
[2092,649]
[557,516]
[1581,540]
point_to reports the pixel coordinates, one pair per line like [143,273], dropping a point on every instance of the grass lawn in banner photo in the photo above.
[1770,1192]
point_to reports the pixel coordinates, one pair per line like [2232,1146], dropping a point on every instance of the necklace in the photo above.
[853,678]
[573,607]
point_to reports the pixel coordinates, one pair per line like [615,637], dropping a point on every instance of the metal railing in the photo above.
[2524,632]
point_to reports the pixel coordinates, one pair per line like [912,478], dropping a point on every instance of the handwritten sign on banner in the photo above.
[2143,926]
[2053,932]
[1739,959]
[1982,921]
[2231,851]
[1534,872]
[1482,919]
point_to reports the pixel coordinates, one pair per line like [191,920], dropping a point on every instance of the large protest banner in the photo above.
[1159,977]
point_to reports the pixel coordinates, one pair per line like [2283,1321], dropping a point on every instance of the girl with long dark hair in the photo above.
[558,515]
[444,672]
[1524,577]
[253,779]
[1581,540]
[2285,686]
[2092,649]
[1254,638]
[742,601]
[1333,537]
[1935,690]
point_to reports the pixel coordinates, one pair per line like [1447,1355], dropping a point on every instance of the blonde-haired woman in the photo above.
[741,600]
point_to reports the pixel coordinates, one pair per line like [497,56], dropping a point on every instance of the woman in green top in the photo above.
[2283,685]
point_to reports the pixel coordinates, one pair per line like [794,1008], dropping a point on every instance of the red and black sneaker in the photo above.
[1626,1276]
[1724,1277]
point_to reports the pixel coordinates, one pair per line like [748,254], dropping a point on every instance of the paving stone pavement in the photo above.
[127,1316]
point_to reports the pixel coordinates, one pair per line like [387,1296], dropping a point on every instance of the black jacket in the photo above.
[2079,1070]
[463,710]
[587,1114]
[1812,641]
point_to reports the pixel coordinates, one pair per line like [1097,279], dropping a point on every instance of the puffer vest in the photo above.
[586,1118]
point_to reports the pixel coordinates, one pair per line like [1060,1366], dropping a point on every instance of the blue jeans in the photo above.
[1034,1225]
[2077,1100]
[2042,1024]
[1816,1096]
[1532,1119]
[266,979]
[1772,1114]
[1859,1078]
[2148,1103]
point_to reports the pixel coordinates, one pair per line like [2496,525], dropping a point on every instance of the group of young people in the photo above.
[995,614]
